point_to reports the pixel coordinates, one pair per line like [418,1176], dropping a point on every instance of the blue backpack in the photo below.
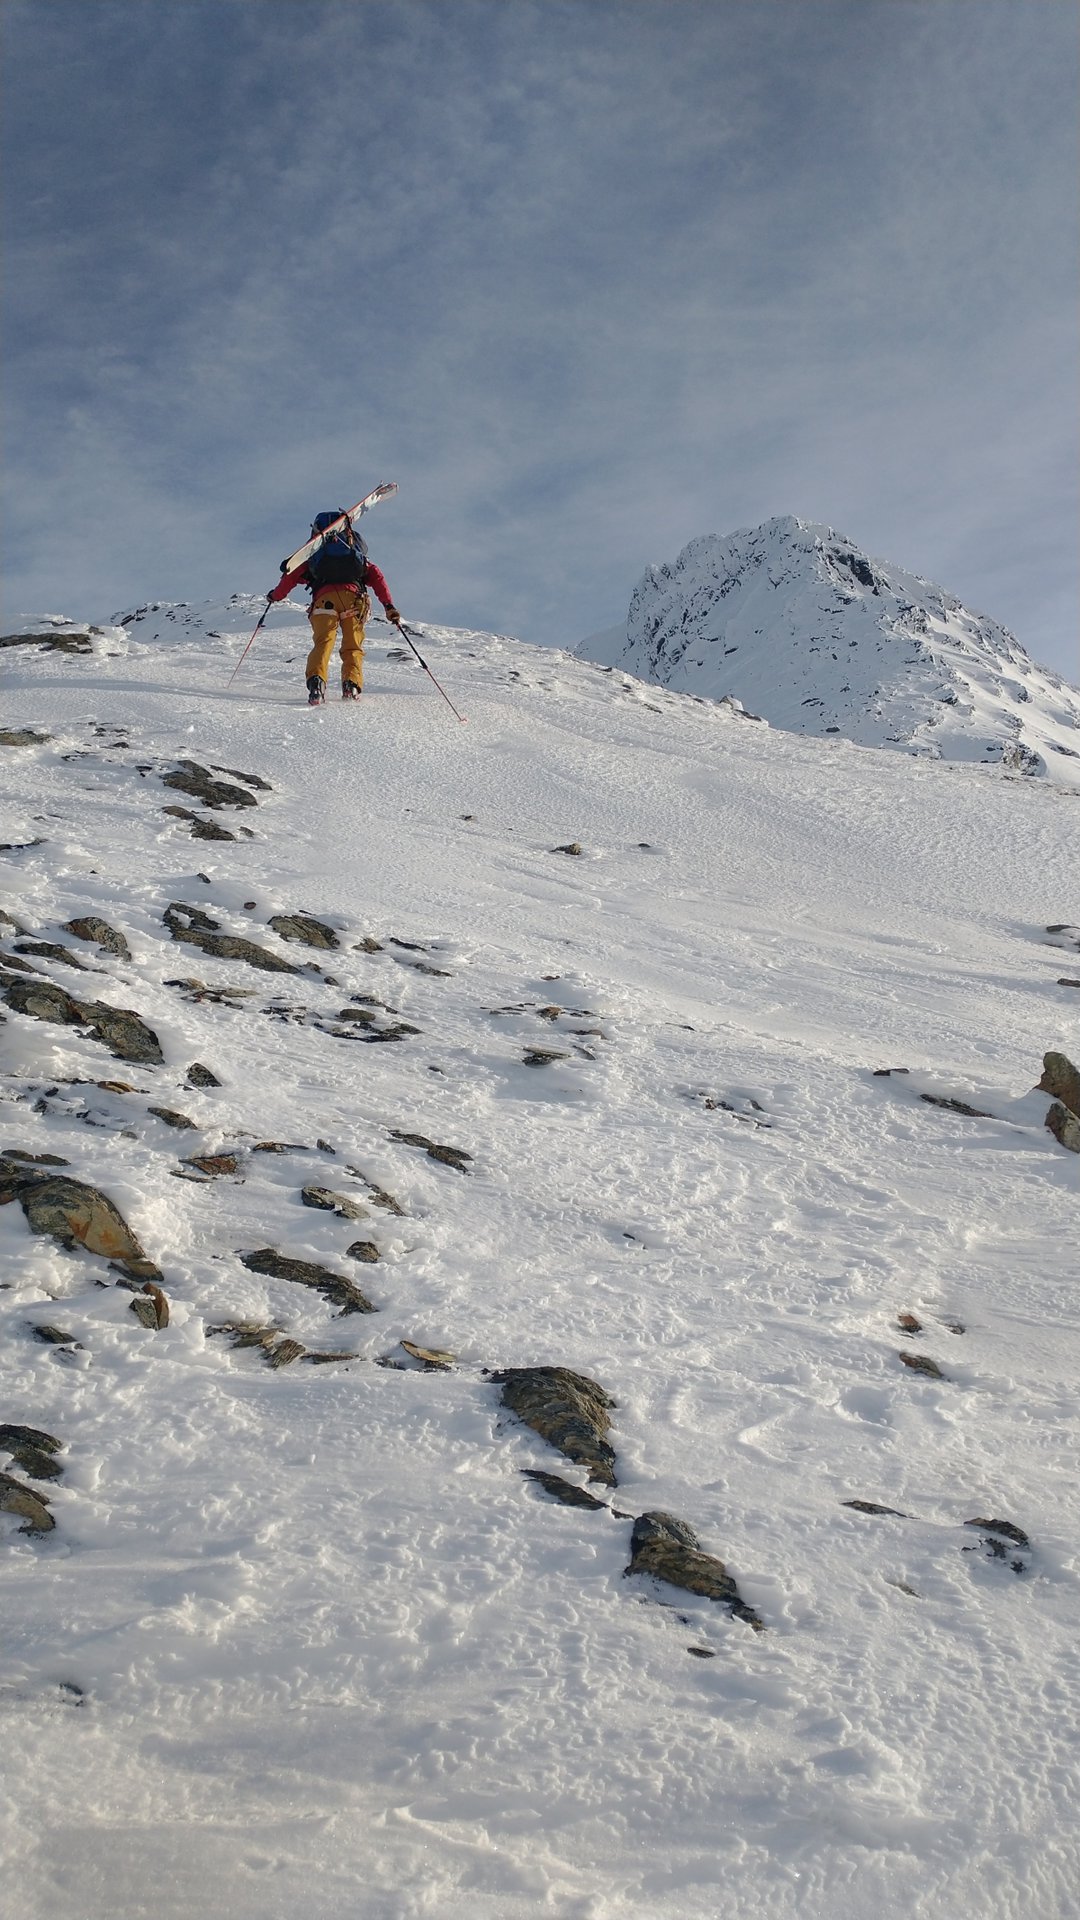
[340,560]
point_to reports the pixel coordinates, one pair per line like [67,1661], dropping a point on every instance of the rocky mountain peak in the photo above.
[794,620]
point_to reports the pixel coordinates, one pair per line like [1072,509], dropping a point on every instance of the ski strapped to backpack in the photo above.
[294,566]
[338,524]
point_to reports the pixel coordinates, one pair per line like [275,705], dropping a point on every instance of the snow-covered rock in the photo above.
[795,621]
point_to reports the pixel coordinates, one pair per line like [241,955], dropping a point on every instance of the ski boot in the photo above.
[350,690]
[316,691]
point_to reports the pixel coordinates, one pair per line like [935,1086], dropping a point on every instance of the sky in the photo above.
[587,280]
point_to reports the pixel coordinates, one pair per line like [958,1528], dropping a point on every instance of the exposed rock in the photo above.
[400,1030]
[119,1028]
[1064,1126]
[200,1076]
[151,1306]
[432,1359]
[15,1498]
[379,1195]
[284,1353]
[447,1156]
[196,929]
[921,1363]
[365,1250]
[1061,1079]
[201,827]
[305,1273]
[51,950]
[196,780]
[214,1163]
[1062,935]
[331,1202]
[51,1336]
[32,1450]
[1065,981]
[907,1323]
[250,779]
[566,1409]
[172,1118]
[955,1106]
[562,1490]
[303,928]
[73,1213]
[670,1550]
[871,1506]
[90,927]
[542,1056]
[573,846]
[33,1159]
[53,642]
[22,737]
[1003,1541]
[197,991]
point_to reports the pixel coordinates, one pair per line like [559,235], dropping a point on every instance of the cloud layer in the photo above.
[586,279]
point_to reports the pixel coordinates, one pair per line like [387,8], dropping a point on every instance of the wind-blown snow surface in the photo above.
[336,1656]
[791,619]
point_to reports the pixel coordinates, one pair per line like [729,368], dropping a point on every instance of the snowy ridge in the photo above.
[791,619]
[305,1640]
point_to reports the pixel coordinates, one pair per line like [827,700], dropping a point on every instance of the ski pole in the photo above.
[250,643]
[404,631]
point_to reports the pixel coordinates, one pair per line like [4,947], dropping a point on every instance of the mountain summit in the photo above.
[795,622]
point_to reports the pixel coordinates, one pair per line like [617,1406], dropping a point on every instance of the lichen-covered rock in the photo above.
[73,1213]
[196,929]
[200,1076]
[76,641]
[447,1156]
[22,737]
[922,1363]
[1061,1079]
[670,1550]
[151,1306]
[120,1029]
[566,1409]
[200,783]
[303,928]
[332,1202]
[305,1273]
[172,1118]
[214,1164]
[1064,1126]
[15,1498]
[562,1490]
[51,950]
[90,927]
[201,827]
[32,1450]
[249,779]
[1004,1541]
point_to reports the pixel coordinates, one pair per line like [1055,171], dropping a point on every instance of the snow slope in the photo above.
[791,619]
[305,1642]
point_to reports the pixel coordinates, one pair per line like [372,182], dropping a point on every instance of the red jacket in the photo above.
[373,578]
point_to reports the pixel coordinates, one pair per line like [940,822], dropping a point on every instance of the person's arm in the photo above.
[298,577]
[374,578]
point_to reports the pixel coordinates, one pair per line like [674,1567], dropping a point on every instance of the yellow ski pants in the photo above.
[347,607]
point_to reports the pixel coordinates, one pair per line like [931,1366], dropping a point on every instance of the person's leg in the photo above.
[352,650]
[323,621]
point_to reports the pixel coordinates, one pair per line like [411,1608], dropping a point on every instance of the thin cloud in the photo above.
[587,279]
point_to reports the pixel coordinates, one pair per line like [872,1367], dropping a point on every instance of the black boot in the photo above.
[316,691]
[350,690]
